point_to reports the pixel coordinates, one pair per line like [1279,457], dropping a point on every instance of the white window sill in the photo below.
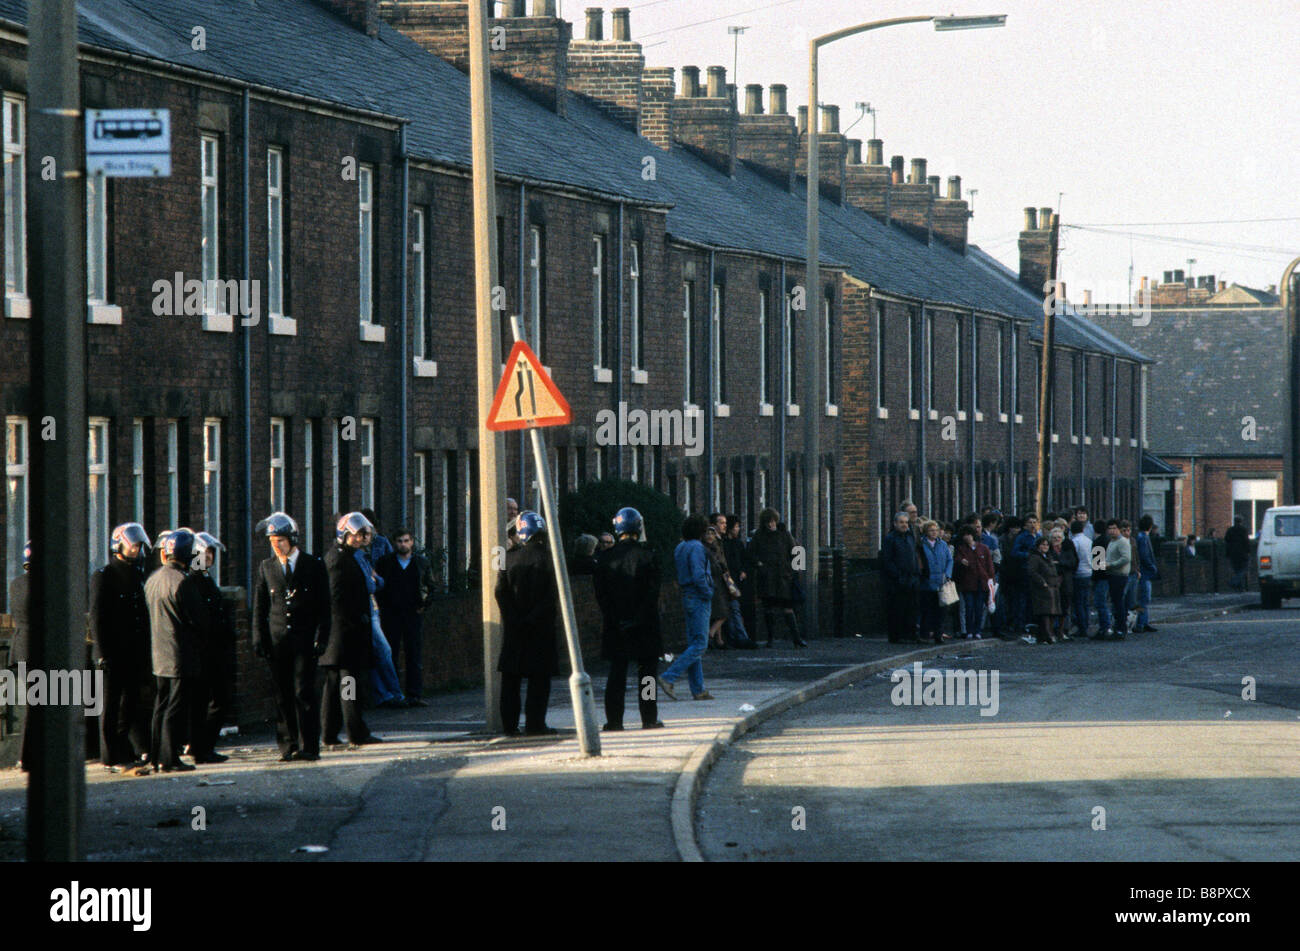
[721,410]
[766,409]
[913,414]
[1019,418]
[1105,440]
[1087,440]
[961,415]
[979,416]
[1056,437]
[18,307]
[832,409]
[107,314]
[426,368]
[372,333]
[640,376]
[219,323]
[691,409]
[792,409]
[934,414]
[882,412]
[1132,443]
[1003,418]
[1074,440]
[281,326]
[602,374]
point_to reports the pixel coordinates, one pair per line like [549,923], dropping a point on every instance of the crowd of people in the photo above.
[164,639]
[1012,577]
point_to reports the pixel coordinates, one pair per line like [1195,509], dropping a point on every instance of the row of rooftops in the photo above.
[304,49]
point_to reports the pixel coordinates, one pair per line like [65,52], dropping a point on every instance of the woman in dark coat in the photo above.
[772,554]
[1044,589]
[721,608]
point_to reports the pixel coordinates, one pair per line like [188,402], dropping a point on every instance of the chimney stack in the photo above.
[595,23]
[896,170]
[658,93]
[533,55]
[363,15]
[911,202]
[832,150]
[1036,249]
[867,185]
[951,216]
[767,143]
[622,24]
[754,99]
[706,124]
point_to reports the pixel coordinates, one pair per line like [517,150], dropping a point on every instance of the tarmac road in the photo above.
[1154,731]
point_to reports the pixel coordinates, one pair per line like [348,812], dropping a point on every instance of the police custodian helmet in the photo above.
[179,546]
[352,523]
[627,522]
[128,533]
[527,525]
[278,523]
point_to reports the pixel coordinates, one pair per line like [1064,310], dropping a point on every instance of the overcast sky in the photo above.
[1141,112]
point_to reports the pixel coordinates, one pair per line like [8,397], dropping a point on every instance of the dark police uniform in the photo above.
[291,617]
[214,691]
[178,617]
[347,654]
[627,588]
[526,593]
[119,629]
[20,595]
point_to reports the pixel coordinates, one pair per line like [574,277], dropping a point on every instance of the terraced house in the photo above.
[650,235]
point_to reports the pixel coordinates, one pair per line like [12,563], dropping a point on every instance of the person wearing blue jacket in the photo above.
[695,578]
[936,568]
[1147,566]
[899,563]
[1025,542]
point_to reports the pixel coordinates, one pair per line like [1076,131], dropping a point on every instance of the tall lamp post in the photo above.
[1290,456]
[812,410]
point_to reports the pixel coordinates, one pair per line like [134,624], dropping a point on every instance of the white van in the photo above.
[1279,555]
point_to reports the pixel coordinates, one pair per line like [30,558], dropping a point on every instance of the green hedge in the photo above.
[591,510]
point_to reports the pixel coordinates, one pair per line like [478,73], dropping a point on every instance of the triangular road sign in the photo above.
[526,396]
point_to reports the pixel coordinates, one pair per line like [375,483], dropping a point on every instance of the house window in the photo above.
[277,465]
[97,527]
[421,498]
[598,463]
[688,340]
[959,380]
[881,350]
[275,233]
[691,494]
[637,335]
[15,142]
[717,492]
[1134,394]
[789,358]
[599,312]
[636,464]
[929,349]
[367,463]
[1015,371]
[418,305]
[137,469]
[173,472]
[467,499]
[913,362]
[1251,498]
[763,369]
[762,489]
[536,297]
[212,476]
[977,364]
[309,484]
[16,493]
[1002,382]
[365,251]
[96,239]
[210,198]
[791,501]
[334,466]
[828,506]
[828,351]
[448,478]
[718,343]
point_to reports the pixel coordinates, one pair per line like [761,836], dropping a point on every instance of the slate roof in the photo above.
[299,47]
[1155,466]
[1214,366]
[1240,294]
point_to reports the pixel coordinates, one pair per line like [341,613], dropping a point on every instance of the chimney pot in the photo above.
[543,8]
[717,82]
[918,171]
[1031,219]
[934,184]
[855,151]
[1272,288]
[1178,277]
[690,82]
[1087,298]
[954,186]
[1169,277]
[1045,218]
[896,169]
[803,119]
[595,23]
[1223,285]
[875,152]
[515,8]
[1144,283]
[776,99]
[830,119]
[622,23]
[754,99]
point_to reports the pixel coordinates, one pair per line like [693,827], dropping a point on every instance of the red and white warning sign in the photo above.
[526,396]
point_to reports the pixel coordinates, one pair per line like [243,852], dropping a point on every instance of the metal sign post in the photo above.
[584,701]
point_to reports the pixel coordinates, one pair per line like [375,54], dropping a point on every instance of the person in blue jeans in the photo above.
[1082,579]
[695,578]
[1146,558]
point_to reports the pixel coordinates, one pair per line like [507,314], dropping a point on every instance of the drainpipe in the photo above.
[404,425]
[247,377]
[618,335]
[782,384]
[1114,428]
[920,486]
[709,409]
[972,505]
[1013,338]
[524,327]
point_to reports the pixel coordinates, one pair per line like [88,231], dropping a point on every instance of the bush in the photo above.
[591,510]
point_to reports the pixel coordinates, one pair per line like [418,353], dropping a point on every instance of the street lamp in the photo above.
[813,297]
[1290,460]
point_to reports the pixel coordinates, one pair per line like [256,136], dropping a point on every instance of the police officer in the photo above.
[527,595]
[214,690]
[347,653]
[179,618]
[291,628]
[20,609]
[627,589]
[119,629]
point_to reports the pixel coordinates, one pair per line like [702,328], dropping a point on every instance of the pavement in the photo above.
[440,789]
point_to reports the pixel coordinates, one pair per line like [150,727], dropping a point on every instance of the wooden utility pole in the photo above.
[1047,377]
